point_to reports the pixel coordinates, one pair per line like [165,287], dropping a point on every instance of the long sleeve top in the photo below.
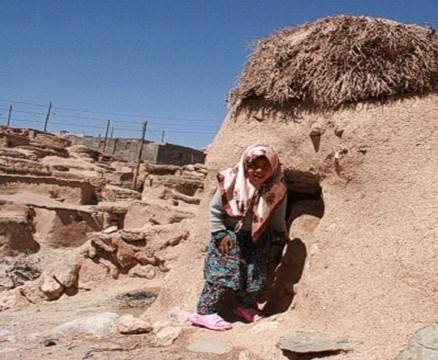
[220,220]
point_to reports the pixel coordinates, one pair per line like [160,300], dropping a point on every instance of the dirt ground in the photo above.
[27,325]
[367,257]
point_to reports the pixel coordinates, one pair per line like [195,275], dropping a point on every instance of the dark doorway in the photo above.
[305,207]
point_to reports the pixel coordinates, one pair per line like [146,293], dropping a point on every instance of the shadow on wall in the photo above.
[305,208]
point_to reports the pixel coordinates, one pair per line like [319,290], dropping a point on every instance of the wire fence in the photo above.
[59,119]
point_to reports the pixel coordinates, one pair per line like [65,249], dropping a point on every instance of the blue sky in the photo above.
[168,62]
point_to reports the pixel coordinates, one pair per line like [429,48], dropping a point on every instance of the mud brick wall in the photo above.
[152,152]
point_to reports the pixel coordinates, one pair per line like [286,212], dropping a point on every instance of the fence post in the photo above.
[115,145]
[9,115]
[47,116]
[106,136]
[140,152]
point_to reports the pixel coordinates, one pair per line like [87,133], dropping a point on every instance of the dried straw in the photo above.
[340,60]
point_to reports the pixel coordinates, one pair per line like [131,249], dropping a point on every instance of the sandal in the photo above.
[248,314]
[211,321]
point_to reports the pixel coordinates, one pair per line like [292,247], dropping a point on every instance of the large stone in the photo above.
[51,288]
[304,343]
[128,324]
[97,325]
[167,335]
[423,346]
[66,272]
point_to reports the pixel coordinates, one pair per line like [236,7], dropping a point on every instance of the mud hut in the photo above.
[351,104]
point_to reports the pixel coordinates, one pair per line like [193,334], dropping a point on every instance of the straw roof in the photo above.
[340,60]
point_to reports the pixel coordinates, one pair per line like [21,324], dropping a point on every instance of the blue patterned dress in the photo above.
[244,269]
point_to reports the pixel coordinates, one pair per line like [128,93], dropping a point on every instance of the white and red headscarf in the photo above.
[239,195]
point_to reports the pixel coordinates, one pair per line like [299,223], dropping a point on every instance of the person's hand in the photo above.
[225,245]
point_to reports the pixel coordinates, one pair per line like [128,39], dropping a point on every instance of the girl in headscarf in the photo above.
[246,212]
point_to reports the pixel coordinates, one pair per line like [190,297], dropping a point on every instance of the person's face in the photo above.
[259,170]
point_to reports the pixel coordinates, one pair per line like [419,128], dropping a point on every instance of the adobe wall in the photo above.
[178,155]
[369,263]
[70,191]
[368,260]
[12,137]
[152,152]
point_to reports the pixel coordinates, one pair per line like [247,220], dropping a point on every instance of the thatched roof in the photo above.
[340,60]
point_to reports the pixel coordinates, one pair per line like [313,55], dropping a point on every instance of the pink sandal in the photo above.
[211,321]
[248,314]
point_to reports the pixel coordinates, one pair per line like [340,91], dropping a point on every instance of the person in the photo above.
[246,212]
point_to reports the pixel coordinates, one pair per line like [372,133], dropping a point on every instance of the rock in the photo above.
[91,272]
[166,336]
[66,273]
[12,299]
[423,346]
[179,315]
[125,255]
[110,230]
[32,292]
[97,325]
[131,235]
[143,271]
[51,288]
[159,324]
[128,324]
[6,282]
[303,343]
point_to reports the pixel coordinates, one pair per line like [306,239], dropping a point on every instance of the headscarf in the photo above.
[239,195]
